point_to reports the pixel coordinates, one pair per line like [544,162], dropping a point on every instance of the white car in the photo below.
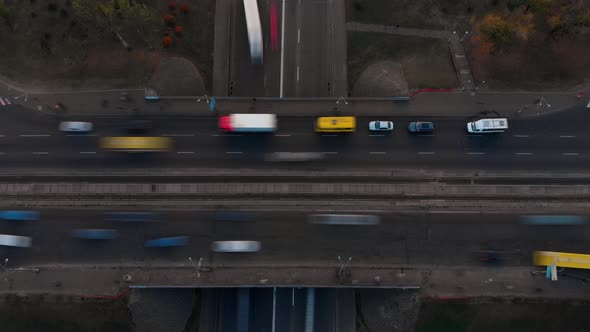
[235,246]
[381,126]
[15,241]
[75,126]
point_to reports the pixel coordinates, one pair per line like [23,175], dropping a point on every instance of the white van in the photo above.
[484,126]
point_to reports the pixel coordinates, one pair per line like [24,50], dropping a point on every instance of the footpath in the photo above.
[444,283]
[79,104]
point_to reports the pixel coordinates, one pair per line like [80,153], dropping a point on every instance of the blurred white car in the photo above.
[381,126]
[235,246]
[75,126]
[15,241]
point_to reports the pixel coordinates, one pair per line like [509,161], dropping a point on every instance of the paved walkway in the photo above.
[455,45]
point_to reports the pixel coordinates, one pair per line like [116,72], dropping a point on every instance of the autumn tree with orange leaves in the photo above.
[497,31]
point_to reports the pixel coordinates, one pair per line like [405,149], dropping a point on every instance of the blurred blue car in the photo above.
[133,216]
[420,127]
[177,241]
[19,215]
[95,234]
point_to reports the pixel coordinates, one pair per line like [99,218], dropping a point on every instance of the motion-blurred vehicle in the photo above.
[138,126]
[164,242]
[294,156]
[95,234]
[15,241]
[248,123]
[343,219]
[133,216]
[136,144]
[233,216]
[19,215]
[75,127]
[380,126]
[421,127]
[235,246]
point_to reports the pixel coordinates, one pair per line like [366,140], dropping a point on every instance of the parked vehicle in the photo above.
[420,127]
[380,126]
[15,241]
[486,126]
[235,246]
[255,123]
[163,242]
[75,126]
[95,234]
[19,215]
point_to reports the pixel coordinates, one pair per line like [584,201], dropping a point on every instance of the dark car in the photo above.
[421,127]
[164,242]
[138,126]
[95,234]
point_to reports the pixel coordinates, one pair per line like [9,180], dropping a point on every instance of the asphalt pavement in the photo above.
[407,239]
[557,141]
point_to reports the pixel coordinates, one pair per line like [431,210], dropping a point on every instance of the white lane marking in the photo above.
[377,152]
[178,135]
[567,136]
[78,135]
[520,136]
[476,153]
[298,36]
[185,152]
[297,73]
[1,153]
[87,152]
[570,154]
[377,135]
[523,153]
[2,136]
[40,152]
[282,50]
[427,152]
[330,152]
[35,135]
[283,135]
[234,152]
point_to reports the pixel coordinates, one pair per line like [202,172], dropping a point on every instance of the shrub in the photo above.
[170,20]
[184,8]
[167,41]
[171,5]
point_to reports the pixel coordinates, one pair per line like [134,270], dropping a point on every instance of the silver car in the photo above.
[380,126]
[75,126]
[235,246]
[15,241]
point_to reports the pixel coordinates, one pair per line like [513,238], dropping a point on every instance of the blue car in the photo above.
[163,242]
[421,127]
[95,234]
[133,216]
[19,215]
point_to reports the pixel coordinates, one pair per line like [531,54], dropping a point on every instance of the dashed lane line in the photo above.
[42,152]
[377,152]
[570,154]
[185,152]
[520,136]
[426,153]
[523,153]
[87,152]
[283,135]
[476,153]
[567,136]
[35,135]
[234,152]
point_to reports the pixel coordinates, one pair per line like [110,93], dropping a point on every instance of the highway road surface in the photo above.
[277,309]
[287,238]
[551,143]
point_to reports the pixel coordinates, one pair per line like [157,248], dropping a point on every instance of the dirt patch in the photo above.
[506,316]
[63,314]
[177,77]
[425,62]
[385,78]
[428,14]
[51,44]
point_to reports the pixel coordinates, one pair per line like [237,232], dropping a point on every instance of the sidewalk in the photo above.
[449,104]
[435,282]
